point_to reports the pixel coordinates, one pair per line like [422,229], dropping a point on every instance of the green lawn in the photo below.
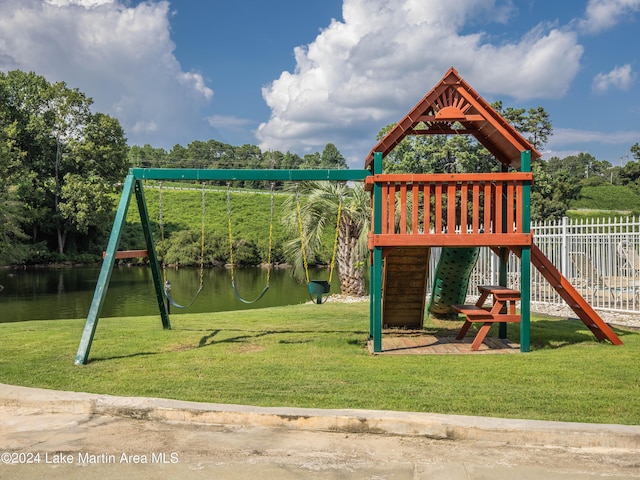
[316,356]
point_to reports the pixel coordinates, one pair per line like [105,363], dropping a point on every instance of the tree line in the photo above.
[215,154]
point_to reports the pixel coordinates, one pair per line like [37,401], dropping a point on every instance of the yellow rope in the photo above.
[231,234]
[304,252]
[270,233]
[202,235]
[230,231]
[335,242]
[202,239]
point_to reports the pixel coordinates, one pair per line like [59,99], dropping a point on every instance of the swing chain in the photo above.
[202,237]
[230,231]
[167,283]
[302,245]
[233,282]
[335,241]
[272,187]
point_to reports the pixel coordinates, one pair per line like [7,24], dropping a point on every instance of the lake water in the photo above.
[64,293]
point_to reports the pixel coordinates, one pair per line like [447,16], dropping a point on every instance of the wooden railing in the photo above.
[451,209]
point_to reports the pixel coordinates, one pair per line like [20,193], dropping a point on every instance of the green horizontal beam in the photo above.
[237,174]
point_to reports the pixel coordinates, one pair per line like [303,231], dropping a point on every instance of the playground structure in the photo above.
[410,214]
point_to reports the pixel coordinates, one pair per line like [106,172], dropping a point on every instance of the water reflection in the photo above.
[47,294]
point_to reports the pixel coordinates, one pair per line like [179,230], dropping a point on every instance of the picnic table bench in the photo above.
[503,309]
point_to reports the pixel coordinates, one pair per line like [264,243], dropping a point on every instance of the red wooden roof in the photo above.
[453,100]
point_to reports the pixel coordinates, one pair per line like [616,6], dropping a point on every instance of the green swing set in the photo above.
[133,186]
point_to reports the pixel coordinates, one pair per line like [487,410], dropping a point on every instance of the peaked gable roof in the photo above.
[453,100]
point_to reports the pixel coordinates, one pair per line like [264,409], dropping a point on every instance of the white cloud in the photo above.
[196,81]
[604,14]
[602,145]
[84,3]
[621,78]
[568,136]
[368,70]
[120,55]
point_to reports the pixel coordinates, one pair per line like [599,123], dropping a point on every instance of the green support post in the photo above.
[376,269]
[105,273]
[156,273]
[525,260]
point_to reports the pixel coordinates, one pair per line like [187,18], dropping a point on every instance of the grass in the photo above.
[182,210]
[607,198]
[316,356]
[250,216]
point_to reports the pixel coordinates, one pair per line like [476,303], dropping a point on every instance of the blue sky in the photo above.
[292,75]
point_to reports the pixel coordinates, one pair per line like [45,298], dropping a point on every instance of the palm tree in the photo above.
[318,203]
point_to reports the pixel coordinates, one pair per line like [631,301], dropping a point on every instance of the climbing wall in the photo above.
[451,279]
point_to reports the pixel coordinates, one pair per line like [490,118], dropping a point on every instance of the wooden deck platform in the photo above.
[422,343]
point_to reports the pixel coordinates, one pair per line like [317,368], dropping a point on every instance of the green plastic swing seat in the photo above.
[318,288]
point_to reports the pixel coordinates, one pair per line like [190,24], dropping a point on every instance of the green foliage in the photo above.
[11,236]
[552,192]
[332,158]
[316,357]
[578,167]
[534,124]
[630,173]
[51,137]
[313,207]
[438,154]
[608,197]
[84,202]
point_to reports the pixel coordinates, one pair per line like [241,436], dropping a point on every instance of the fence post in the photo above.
[564,246]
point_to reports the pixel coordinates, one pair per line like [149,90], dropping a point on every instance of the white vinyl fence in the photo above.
[600,257]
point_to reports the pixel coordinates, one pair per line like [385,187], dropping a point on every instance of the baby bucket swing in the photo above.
[167,283]
[318,288]
[231,261]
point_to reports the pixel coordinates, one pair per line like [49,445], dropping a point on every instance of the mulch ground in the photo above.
[415,342]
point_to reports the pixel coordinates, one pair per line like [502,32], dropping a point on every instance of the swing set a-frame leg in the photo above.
[130,185]
[156,272]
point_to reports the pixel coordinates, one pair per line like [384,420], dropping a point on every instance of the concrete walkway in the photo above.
[52,434]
